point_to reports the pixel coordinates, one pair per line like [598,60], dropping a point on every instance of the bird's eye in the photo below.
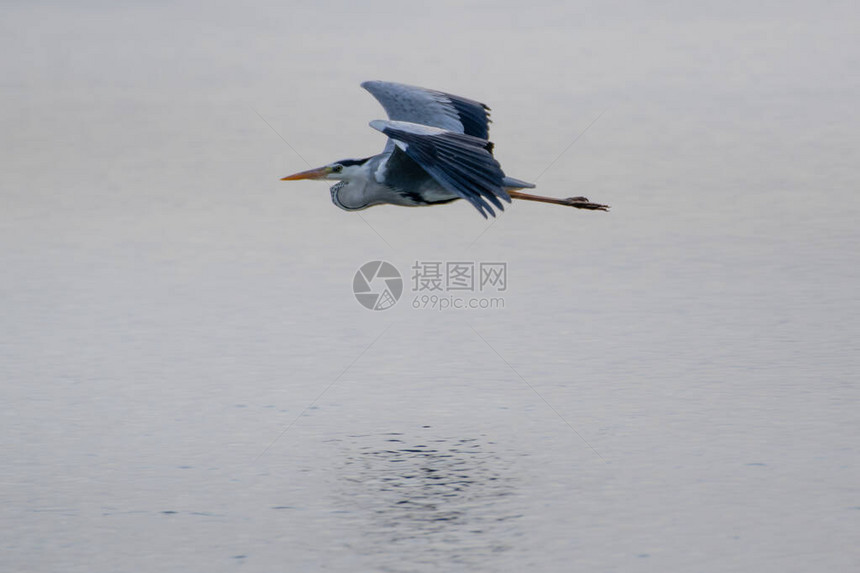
[336,168]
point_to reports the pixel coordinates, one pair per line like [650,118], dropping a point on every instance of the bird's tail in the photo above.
[511,183]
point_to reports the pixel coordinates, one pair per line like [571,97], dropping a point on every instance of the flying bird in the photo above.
[438,151]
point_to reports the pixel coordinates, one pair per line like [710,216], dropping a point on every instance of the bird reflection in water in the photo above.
[447,498]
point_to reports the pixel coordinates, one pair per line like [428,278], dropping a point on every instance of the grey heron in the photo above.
[438,151]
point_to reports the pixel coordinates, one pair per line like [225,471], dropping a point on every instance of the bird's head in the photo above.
[342,170]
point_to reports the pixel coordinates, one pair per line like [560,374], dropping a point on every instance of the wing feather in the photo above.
[459,162]
[430,107]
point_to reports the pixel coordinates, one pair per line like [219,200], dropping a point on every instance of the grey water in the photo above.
[188,383]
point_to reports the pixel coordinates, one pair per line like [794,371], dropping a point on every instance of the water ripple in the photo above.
[444,499]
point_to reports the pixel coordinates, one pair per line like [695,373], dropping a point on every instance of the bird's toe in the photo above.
[584,203]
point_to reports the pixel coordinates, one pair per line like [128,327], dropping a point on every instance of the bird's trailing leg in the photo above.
[578,202]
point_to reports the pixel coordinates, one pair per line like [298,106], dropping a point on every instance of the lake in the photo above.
[188,382]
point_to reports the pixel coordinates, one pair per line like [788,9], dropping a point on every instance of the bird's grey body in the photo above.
[437,151]
[391,178]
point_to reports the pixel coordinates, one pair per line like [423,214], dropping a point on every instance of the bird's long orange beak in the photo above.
[309,174]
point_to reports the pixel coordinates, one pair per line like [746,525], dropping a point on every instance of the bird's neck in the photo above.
[350,195]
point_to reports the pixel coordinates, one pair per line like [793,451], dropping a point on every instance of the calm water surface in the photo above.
[188,384]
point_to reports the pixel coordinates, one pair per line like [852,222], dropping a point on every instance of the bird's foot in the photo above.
[584,203]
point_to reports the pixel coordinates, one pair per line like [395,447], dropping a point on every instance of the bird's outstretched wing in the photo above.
[431,107]
[460,163]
